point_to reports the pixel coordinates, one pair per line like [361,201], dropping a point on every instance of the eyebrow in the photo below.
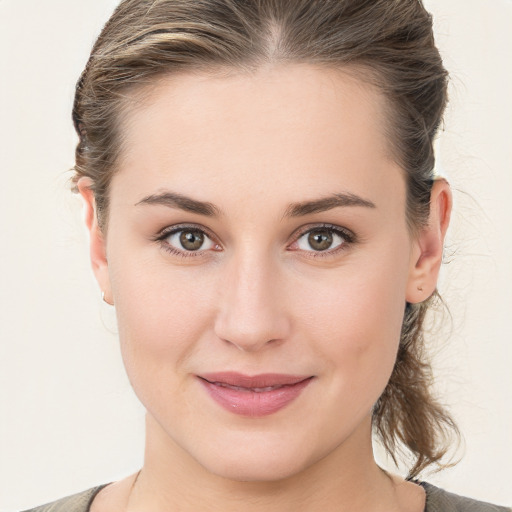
[175,200]
[182,202]
[327,203]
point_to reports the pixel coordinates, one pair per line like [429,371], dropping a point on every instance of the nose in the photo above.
[251,312]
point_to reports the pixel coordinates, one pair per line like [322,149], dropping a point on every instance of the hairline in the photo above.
[134,96]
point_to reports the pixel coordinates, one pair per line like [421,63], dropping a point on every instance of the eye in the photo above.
[182,240]
[323,239]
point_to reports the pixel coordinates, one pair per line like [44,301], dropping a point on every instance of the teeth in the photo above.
[238,388]
[269,388]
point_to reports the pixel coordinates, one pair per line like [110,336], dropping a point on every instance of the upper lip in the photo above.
[263,380]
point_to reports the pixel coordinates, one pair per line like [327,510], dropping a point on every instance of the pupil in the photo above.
[191,240]
[320,240]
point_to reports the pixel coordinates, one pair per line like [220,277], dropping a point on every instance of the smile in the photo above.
[256,390]
[253,396]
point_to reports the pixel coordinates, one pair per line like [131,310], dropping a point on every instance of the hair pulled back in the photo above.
[387,43]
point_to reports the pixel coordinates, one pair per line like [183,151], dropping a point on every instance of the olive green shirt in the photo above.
[437,501]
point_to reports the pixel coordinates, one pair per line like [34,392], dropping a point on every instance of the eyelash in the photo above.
[171,230]
[348,239]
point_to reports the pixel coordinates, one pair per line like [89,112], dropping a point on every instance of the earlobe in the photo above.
[427,253]
[97,243]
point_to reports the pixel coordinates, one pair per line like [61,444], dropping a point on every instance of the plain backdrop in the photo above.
[68,417]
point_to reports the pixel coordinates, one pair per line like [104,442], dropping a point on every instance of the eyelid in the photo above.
[325,225]
[348,236]
[169,230]
[176,228]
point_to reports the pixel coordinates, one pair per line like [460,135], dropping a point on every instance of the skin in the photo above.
[258,298]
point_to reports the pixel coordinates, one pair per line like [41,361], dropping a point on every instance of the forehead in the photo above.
[295,127]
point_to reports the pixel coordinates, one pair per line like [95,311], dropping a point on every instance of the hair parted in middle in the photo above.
[387,44]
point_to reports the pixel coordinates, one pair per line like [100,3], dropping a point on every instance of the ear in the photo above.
[427,251]
[97,241]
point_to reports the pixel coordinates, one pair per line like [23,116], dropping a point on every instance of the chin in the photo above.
[267,459]
[257,469]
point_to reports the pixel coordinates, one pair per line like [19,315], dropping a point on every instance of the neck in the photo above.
[347,479]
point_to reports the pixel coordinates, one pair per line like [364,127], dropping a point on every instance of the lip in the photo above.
[256,395]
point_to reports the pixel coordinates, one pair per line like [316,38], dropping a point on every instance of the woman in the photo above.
[263,214]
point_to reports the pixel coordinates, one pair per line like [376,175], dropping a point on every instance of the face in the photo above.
[259,259]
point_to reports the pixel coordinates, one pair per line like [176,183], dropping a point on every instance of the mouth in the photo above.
[254,396]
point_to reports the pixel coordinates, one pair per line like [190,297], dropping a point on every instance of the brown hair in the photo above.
[387,43]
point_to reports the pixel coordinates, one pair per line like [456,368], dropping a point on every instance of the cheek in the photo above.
[355,326]
[162,312]
[363,308]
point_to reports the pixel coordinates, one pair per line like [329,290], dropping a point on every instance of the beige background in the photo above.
[68,419]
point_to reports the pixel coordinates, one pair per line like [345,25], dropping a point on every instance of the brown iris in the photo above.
[191,240]
[320,240]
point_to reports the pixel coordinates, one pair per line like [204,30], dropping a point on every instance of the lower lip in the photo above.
[253,403]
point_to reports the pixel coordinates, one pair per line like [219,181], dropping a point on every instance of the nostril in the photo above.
[250,314]
[246,344]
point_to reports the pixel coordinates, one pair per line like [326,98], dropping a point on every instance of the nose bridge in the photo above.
[250,315]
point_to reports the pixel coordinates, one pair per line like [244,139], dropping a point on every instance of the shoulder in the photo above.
[439,500]
[76,503]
